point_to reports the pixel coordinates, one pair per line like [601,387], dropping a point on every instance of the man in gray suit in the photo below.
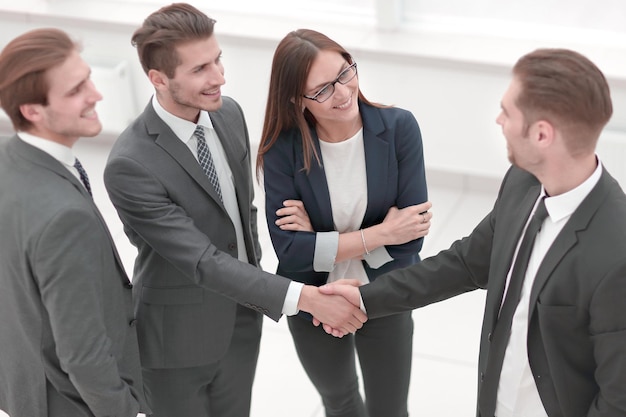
[180,179]
[68,346]
[554,334]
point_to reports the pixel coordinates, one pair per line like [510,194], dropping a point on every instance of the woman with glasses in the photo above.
[345,198]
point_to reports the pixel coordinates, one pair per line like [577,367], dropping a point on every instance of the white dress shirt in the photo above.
[517,391]
[346,176]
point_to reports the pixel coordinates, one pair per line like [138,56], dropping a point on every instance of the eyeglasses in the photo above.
[327,91]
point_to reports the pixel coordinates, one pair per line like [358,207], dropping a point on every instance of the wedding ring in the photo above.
[423,218]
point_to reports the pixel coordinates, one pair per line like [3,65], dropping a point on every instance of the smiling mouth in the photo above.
[211,92]
[91,114]
[345,105]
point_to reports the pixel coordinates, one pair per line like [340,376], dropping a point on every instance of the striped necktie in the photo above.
[83,175]
[206,161]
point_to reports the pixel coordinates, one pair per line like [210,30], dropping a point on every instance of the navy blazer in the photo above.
[395,177]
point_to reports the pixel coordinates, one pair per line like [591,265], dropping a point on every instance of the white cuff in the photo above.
[326,245]
[377,257]
[290,307]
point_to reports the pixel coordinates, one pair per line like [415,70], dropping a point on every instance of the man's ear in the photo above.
[31,112]
[543,132]
[158,79]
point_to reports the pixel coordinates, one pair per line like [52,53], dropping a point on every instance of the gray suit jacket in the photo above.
[577,318]
[187,277]
[68,345]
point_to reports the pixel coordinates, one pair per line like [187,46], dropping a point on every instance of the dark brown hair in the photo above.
[156,40]
[292,61]
[566,89]
[23,65]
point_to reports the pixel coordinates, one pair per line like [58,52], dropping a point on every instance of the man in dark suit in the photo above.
[554,336]
[180,179]
[68,346]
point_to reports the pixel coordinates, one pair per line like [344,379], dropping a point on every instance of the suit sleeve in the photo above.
[144,206]
[295,250]
[67,268]
[462,268]
[411,185]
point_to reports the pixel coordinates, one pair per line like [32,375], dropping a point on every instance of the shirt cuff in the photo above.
[377,257]
[362,306]
[326,245]
[290,306]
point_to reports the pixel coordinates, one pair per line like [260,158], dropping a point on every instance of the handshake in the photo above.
[336,306]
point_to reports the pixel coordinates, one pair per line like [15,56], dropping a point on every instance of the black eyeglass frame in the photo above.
[332,84]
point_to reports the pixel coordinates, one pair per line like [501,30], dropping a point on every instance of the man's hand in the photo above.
[334,311]
[346,288]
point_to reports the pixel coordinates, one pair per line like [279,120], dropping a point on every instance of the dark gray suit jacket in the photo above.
[187,277]
[577,318]
[68,345]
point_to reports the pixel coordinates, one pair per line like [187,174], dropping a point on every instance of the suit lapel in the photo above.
[376,164]
[504,248]
[42,159]
[229,144]
[170,143]
[568,237]
[319,185]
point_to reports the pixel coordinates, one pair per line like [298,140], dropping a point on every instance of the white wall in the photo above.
[452,83]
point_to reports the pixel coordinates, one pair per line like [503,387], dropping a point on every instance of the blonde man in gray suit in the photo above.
[68,346]
[180,179]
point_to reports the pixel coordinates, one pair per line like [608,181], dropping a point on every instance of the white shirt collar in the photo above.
[59,152]
[564,205]
[182,128]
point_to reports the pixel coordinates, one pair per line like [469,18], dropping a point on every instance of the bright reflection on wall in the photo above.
[327,10]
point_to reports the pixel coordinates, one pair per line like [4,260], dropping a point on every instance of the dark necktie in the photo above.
[502,330]
[83,175]
[206,161]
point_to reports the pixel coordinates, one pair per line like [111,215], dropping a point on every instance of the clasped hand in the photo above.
[335,306]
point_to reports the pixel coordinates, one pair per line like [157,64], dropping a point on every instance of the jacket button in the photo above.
[482,376]
[129,285]
[132,323]
[489,337]
[232,246]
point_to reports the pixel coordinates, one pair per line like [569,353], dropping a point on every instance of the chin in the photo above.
[511,159]
[94,131]
[213,105]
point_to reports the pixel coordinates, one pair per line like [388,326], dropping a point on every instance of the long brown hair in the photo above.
[156,40]
[24,63]
[292,61]
[566,89]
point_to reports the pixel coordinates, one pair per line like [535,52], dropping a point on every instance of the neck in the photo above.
[68,141]
[567,175]
[338,132]
[184,112]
